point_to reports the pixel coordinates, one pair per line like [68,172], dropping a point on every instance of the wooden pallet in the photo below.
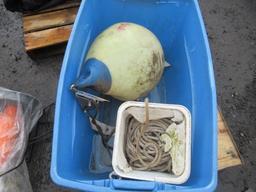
[228,154]
[51,29]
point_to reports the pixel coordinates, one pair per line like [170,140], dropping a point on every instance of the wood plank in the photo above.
[49,20]
[66,5]
[47,37]
[228,155]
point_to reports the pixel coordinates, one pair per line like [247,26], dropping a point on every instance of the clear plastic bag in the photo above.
[19,113]
[17,180]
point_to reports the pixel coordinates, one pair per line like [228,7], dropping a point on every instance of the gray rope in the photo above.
[144,149]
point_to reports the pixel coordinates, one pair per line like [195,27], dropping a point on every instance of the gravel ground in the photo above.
[231,27]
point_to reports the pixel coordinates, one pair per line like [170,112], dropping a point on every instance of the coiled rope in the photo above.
[144,148]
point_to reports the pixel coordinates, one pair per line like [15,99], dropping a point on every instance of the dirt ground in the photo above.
[231,27]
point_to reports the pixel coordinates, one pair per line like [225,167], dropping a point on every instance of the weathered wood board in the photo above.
[228,154]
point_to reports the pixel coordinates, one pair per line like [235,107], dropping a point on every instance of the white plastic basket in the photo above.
[119,162]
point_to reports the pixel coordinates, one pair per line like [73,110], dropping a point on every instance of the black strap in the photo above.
[30,5]
[13,5]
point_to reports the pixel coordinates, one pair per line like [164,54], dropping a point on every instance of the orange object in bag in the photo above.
[9,131]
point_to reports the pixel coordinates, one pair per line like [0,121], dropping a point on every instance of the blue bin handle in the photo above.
[134,185]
